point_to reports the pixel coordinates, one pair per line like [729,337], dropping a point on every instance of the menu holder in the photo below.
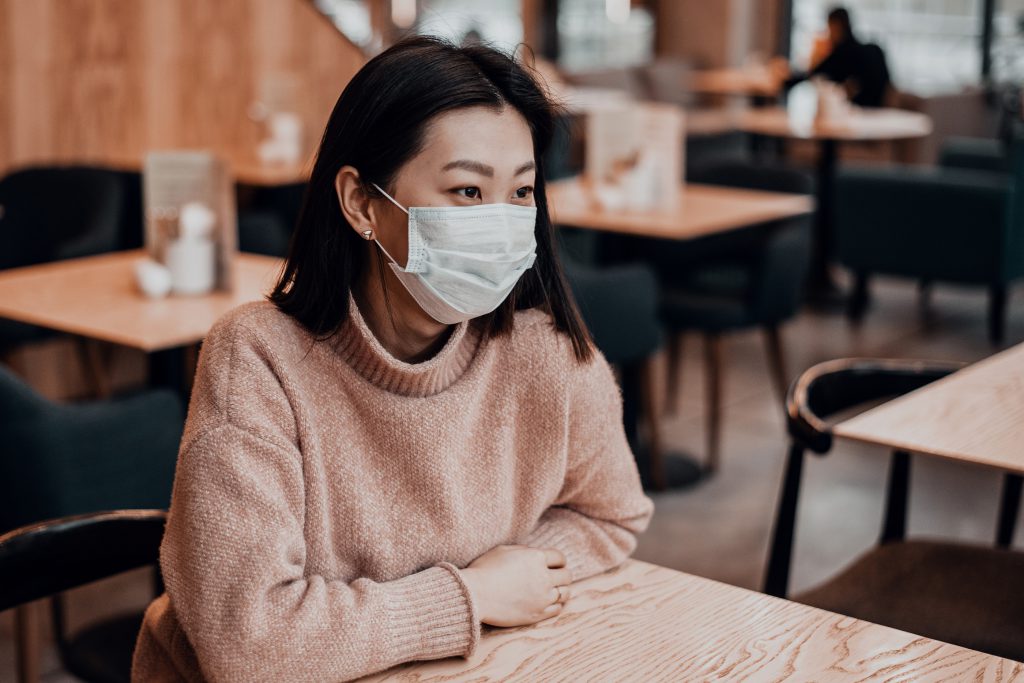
[173,179]
[634,155]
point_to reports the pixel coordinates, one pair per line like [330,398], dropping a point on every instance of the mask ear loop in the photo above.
[392,200]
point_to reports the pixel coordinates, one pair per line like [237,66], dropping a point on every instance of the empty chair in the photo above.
[935,225]
[63,460]
[53,213]
[961,594]
[743,279]
[619,306]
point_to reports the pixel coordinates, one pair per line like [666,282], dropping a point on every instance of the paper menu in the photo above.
[172,179]
[634,151]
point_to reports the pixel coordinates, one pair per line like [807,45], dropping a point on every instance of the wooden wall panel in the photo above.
[105,80]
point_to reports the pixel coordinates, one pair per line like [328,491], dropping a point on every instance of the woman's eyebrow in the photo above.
[528,166]
[474,166]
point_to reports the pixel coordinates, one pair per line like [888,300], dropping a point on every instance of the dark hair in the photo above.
[377,125]
[841,16]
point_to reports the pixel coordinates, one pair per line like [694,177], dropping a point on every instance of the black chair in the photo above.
[948,224]
[65,460]
[42,560]
[743,279]
[619,305]
[267,217]
[54,213]
[966,595]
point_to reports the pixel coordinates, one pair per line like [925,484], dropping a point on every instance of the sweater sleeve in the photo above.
[601,506]
[234,559]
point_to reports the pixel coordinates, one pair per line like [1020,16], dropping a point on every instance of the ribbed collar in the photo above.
[358,347]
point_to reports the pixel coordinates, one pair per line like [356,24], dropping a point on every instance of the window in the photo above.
[497,22]
[930,45]
[1008,42]
[352,17]
[599,34]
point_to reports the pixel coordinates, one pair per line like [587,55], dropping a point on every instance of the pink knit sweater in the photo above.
[327,494]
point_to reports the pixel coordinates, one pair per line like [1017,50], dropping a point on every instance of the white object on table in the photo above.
[192,258]
[153,278]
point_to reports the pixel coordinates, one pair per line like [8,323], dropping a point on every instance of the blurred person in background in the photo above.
[841,58]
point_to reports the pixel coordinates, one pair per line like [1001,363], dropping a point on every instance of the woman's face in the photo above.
[476,155]
[470,156]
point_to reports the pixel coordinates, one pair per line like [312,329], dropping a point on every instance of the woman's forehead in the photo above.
[498,138]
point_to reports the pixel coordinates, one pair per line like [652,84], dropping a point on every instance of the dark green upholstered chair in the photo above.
[267,217]
[935,225]
[743,279]
[968,595]
[61,460]
[53,213]
[619,305]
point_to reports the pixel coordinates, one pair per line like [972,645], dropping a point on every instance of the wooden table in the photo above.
[749,82]
[701,210]
[860,125]
[97,297]
[975,415]
[642,622]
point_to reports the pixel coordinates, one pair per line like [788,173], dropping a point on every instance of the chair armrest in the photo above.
[53,556]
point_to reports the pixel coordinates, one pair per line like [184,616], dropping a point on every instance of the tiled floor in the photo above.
[720,528]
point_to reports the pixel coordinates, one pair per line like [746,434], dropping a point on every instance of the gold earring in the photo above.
[367,235]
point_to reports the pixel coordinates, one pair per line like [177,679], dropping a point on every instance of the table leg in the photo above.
[1009,509]
[821,288]
[173,368]
[659,470]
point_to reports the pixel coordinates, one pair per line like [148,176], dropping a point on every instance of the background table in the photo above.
[861,125]
[642,622]
[702,210]
[758,83]
[975,415]
[97,297]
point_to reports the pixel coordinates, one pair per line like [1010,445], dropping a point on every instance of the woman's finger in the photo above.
[553,557]
[560,577]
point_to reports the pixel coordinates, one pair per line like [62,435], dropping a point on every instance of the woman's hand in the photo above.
[515,585]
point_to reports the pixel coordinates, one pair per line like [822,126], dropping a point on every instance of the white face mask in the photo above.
[464,260]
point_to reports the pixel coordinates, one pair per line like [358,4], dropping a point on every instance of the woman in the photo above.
[414,436]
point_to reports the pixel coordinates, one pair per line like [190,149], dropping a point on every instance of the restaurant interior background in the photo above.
[880,239]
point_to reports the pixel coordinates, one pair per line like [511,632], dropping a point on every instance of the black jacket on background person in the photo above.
[860,65]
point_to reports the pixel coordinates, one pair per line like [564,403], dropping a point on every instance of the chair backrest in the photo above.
[779,255]
[53,213]
[1013,251]
[44,559]
[833,386]
[619,304]
[67,459]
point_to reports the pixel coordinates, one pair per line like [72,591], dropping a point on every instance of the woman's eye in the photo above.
[524,192]
[469,192]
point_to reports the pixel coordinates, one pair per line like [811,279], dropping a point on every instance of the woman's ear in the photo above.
[354,201]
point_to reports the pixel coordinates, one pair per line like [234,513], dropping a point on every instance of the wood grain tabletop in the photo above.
[97,297]
[974,415]
[642,622]
[860,125]
[701,210]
